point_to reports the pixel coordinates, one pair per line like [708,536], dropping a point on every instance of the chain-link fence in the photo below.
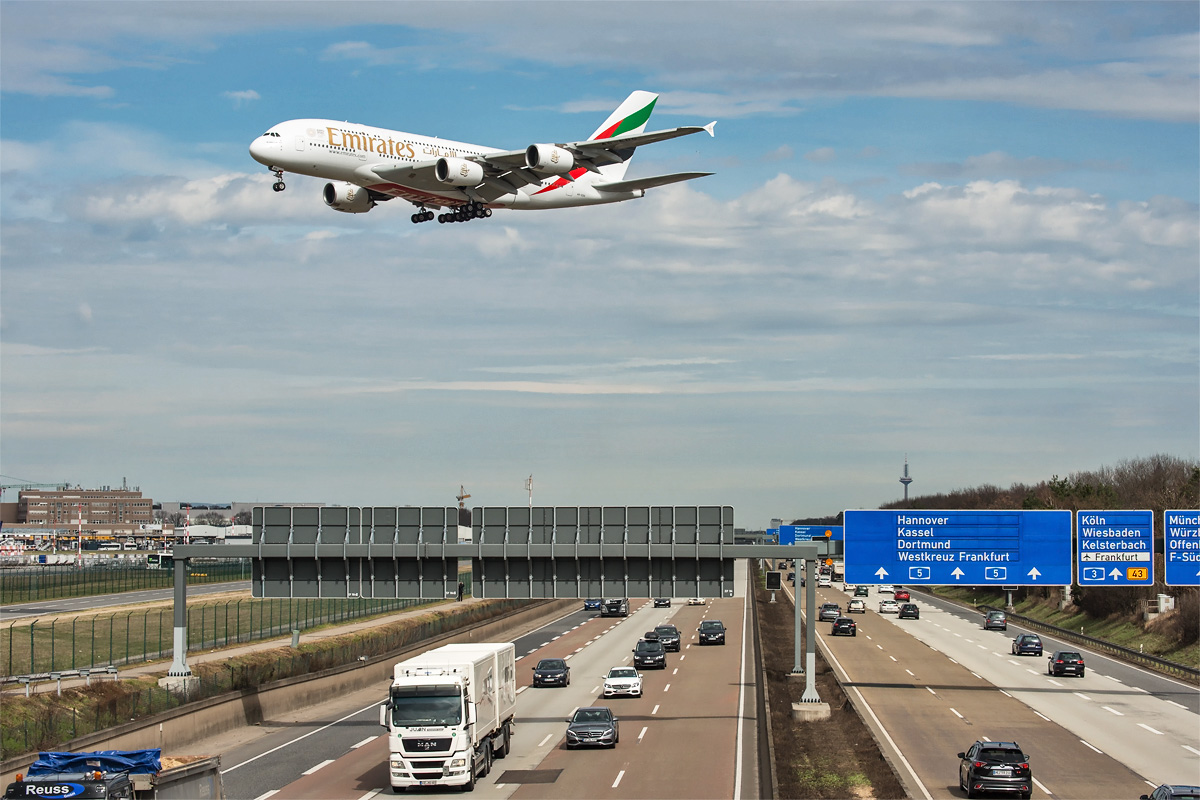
[53,582]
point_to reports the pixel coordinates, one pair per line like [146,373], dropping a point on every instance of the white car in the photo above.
[696,601]
[625,681]
[847,587]
[857,606]
[825,581]
[889,607]
[886,588]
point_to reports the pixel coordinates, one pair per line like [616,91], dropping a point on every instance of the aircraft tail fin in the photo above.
[630,117]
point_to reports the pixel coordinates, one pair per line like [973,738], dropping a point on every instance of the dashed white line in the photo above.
[1192,749]
[1043,716]
[549,736]
[1093,747]
[675,671]
[620,775]
[1051,680]
[893,658]
[1038,784]
[931,691]
[1147,727]
[667,688]
[955,712]
[1081,695]
[1180,705]
[655,711]
[643,733]
[910,672]
[1113,711]
[367,740]
[311,770]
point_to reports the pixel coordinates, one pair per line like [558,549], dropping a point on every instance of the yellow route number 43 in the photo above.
[1137,573]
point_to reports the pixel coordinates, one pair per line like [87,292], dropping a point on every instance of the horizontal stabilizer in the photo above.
[649,183]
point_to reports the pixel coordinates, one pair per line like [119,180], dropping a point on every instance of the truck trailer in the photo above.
[119,775]
[449,713]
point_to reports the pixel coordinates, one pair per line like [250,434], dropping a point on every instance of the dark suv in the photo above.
[649,655]
[995,767]
[668,637]
[1065,662]
[712,631]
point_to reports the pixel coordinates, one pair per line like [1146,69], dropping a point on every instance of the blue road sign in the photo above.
[971,548]
[1115,548]
[790,534]
[1181,548]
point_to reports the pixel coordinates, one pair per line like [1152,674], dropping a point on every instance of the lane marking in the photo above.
[1006,694]
[976,674]
[620,775]
[643,733]
[299,738]
[1186,747]
[370,794]
[311,770]
[1147,727]
[675,671]
[1043,716]
[1038,784]
[910,672]
[931,691]
[667,688]
[1051,680]
[265,795]
[549,736]
[893,658]
[1097,749]
[1083,696]
[367,740]
[1118,713]
[955,711]
[1181,705]
[523,688]
[655,711]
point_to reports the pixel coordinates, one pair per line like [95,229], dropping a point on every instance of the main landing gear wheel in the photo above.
[422,216]
[466,213]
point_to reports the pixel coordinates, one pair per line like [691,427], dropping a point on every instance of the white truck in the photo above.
[449,713]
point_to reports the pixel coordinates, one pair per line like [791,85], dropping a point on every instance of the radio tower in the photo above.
[905,479]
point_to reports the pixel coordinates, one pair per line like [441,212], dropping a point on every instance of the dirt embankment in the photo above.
[833,758]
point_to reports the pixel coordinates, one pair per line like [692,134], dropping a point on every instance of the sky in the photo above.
[962,234]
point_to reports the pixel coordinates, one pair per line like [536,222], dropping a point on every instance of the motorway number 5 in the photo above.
[1137,573]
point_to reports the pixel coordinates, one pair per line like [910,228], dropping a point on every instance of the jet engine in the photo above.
[549,158]
[458,172]
[348,198]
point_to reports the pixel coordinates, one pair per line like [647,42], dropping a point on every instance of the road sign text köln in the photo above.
[1115,548]
[1181,548]
[971,548]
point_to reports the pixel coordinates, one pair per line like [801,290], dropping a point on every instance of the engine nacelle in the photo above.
[458,172]
[549,158]
[348,198]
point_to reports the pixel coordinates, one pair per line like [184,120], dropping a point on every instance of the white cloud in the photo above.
[242,97]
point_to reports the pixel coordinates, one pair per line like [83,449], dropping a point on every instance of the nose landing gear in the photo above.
[278,185]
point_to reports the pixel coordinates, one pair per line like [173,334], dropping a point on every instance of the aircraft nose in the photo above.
[258,150]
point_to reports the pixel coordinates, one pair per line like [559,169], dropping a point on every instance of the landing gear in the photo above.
[466,213]
[278,185]
[422,216]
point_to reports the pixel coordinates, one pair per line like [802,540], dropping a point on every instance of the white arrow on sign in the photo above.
[1115,574]
[881,573]
[1033,573]
[958,573]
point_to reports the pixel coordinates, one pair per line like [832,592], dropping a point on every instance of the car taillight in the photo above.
[980,764]
[1059,661]
[1024,765]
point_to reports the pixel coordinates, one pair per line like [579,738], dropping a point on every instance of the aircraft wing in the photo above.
[632,140]
[649,183]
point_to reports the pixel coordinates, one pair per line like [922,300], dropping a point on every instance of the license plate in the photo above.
[427,783]
[1002,773]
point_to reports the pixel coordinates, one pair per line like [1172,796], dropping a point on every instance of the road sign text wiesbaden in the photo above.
[1115,548]
[971,548]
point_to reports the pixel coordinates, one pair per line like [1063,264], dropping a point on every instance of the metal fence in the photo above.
[52,582]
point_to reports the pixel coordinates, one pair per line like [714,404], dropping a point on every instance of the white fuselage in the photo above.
[344,151]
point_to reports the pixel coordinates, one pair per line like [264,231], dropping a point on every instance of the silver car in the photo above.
[594,726]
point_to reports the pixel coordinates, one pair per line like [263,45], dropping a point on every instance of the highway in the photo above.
[73,605]
[690,735]
[937,684]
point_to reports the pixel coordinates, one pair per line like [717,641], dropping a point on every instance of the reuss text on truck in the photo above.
[449,713]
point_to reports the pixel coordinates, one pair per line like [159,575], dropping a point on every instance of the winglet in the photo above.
[709,127]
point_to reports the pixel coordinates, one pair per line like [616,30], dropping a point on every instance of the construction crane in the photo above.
[23,486]
[461,497]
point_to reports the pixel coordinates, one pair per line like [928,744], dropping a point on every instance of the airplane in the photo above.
[367,166]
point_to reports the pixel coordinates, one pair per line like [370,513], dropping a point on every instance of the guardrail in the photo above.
[1124,653]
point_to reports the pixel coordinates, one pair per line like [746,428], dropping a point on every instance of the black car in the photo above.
[662,602]
[995,620]
[1027,644]
[649,654]
[552,672]
[844,626]
[829,612]
[909,611]
[1173,792]
[650,636]
[1065,662]
[712,631]
[791,576]
[668,637]
[593,726]
[995,767]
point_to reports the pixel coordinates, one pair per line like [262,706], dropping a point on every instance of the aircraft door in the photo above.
[299,143]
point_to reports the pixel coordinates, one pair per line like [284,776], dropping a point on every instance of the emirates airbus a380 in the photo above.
[367,165]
